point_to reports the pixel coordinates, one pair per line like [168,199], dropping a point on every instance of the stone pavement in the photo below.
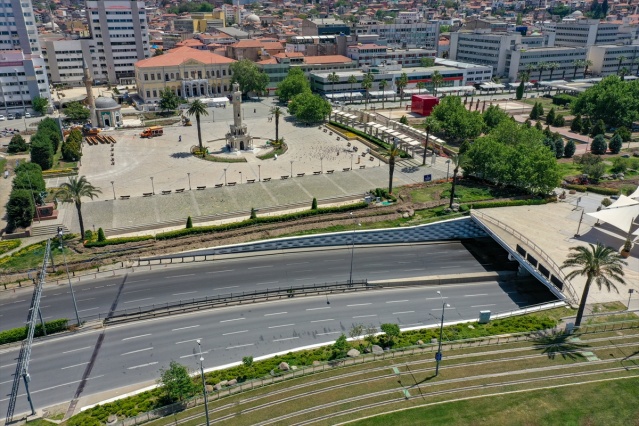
[552,227]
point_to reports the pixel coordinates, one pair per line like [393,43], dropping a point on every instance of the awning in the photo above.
[623,201]
[490,86]
[383,93]
[634,195]
[621,218]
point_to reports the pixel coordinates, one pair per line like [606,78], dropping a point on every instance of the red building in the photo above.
[423,104]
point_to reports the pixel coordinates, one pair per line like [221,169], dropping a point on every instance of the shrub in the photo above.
[586,125]
[569,149]
[17,144]
[624,133]
[598,129]
[620,165]
[563,99]
[189,223]
[606,202]
[314,204]
[369,138]
[560,121]
[510,203]
[403,119]
[18,334]
[615,144]
[101,236]
[253,213]
[594,171]
[576,124]
[550,117]
[599,145]
[559,147]
[116,241]
[20,208]
[88,235]
[71,150]
[41,152]
[602,191]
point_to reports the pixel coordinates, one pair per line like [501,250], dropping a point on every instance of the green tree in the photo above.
[550,117]
[169,101]
[340,347]
[437,79]
[253,213]
[28,176]
[367,84]
[75,111]
[71,150]
[382,87]
[197,109]
[101,236]
[586,125]
[40,104]
[493,116]
[599,145]
[403,119]
[519,92]
[430,125]
[569,149]
[623,133]
[575,126]
[427,62]
[308,107]
[392,152]
[73,191]
[176,382]
[276,112]
[420,86]
[249,77]
[189,223]
[391,331]
[314,204]
[333,78]
[457,122]
[559,121]
[534,112]
[552,66]
[615,144]
[352,80]
[158,52]
[612,100]
[294,84]
[599,128]
[599,264]
[17,144]
[402,82]
[41,152]
[20,209]
[579,63]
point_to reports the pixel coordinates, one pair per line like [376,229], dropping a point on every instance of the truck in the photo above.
[150,132]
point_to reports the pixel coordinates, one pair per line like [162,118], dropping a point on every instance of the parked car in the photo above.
[18,115]
[2,117]
[11,116]
[27,115]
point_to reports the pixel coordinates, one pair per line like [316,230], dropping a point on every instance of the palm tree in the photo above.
[333,78]
[276,112]
[541,67]
[620,60]
[524,77]
[599,264]
[367,84]
[456,160]
[402,82]
[635,61]
[552,67]
[73,191]
[352,80]
[436,79]
[431,125]
[392,152]
[623,73]
[382,86]
[197,108]
[420,86]
[587,64]
[579,63]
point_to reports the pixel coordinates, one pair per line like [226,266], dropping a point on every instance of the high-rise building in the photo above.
[22,70]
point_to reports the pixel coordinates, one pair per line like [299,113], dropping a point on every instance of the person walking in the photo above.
[180,138]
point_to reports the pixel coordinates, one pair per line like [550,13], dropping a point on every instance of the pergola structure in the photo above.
[344,117]
[391,136]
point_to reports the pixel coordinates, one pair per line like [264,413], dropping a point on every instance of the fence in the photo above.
[558,280]
[332,365]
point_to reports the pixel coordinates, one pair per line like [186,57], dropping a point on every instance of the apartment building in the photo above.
[373,54]
[412,35]
[63,60]
[586,32]
[326,26]
[564,59]
[611,59]
[22,68]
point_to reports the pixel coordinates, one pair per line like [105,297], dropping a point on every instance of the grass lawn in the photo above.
[3,164]
[59,163]
[607,403]
[466,192]
[31,257]
[569,169]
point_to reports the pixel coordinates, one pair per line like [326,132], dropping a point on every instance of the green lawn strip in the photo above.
[31,256]
[608,307]
[603,403]
[611,318]
[9,245]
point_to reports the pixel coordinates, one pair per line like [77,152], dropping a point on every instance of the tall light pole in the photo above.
[189,175]
[113,186]
[224,177]
[447,169]
[351,161]
[152,186]
[206,402]
[259,173]
[438,355]
[291,168]
[64,257]
[240,178]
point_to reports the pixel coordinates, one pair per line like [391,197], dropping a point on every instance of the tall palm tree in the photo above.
[524,77]
[579,63]
[402,82]
[367,84]
[276,112]
[530,68]
[456,160]
[73,191]
[333,78]
[420,86]
[599,264]
[352,80]
[382,86]
[587,64]
[392,152]
[197,108]
[436,79]
[541,67]
[431,125]
[552,67]
[621,59]
[635,61]
[623,73]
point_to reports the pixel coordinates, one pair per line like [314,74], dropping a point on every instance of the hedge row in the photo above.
[262,219]
[368,137]
[593,189]
[510,203]
[19,334]
[8,245]
[116,241]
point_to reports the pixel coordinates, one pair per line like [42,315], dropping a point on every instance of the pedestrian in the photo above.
[254,111]
[180,138]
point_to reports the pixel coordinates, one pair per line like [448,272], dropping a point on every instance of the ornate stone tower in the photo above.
[88,84]
[238,138]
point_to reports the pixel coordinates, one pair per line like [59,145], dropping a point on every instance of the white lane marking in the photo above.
[276,313]
[439,309]
[268,282]
[474,295]
[130,282]
[417,269]
[186,341]
[56,294]
[297,263]
[141,365]
[79,349]
[359,304]
[365,316]
[184,328]
[283,325]
[317,309]
[224,288]
[240,346]
[404,262]
[139,350]
[100,286]
[186,356]
[57,386]
[234,332]
[481,306]
[324,334]
[82,300]
[88,309]
[447,267]
[226,270]
[287,338]
[302,279]
[134,291]
[186,292]
[329,319]
[234,319]
[260,267]
[397,301]
[77,365]
[8,381]
[180,276]
[111,285]
[139,300]
[135,337]
[435,298]
[333,260]
[405,312]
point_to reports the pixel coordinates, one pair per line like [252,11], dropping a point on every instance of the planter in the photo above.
[624,254]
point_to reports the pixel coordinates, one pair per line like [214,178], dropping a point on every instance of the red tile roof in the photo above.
[328,59]
[183,54]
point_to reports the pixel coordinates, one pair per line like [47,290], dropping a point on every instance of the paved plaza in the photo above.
[169,162]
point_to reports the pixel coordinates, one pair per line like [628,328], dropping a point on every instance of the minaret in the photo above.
[237,106]
[88,84]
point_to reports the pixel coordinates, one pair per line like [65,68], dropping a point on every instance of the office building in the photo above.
[373,54]
[612,59]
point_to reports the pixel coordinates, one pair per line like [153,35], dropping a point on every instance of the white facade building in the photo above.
[606,59]
[564,58]
[421,34]
[586,32]
[372,54]
[22,69]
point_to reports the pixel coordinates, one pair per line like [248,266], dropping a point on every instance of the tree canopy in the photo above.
[308,107]
[456,121]
[39,104]
[493,116]
[294,84]
[249,77]
[612,100]
[76,111]
[176,382]
[169,101]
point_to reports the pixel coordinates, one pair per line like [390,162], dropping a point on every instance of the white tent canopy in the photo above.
[623,201]
[635,194]
[621,218]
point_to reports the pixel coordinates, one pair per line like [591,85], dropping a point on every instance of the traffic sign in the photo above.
[428,178]
[438,356]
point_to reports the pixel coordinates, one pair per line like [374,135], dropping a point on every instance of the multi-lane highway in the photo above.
[237,275]
[133,353]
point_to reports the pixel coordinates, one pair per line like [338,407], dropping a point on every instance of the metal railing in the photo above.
[572,296]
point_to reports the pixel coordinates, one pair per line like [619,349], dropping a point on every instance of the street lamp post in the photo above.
[351,161]
[64,257]
[259,173]
[438,355]
[189,175]
[224,177]
[240,178]
[291,168]
[447,169]
[152,186]
[113,186]
[206,402]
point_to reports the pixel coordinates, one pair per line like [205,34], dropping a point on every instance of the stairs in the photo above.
[47,230]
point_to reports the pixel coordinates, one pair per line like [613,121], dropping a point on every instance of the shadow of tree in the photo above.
[553,343]
[181,155]
[411,169]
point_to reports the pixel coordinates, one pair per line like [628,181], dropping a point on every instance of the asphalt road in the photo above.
[236,275]
[133,353]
